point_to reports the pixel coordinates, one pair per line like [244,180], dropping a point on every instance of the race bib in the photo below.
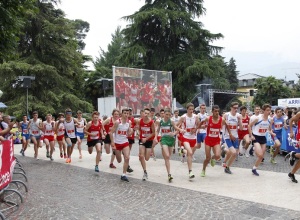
[35,132]
[25,131]
[214,133]
[232,127]
[146,132]
[262,130]
[165,130]
[95,132]
[70,131]
[122,132]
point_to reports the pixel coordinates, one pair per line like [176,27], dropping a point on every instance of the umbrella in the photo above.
[2,105]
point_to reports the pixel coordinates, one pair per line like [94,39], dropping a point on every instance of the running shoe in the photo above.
[194,158]
[255,172]
[112,166]
[96,168]
[191,175]
[145,176]
[129,170]
[170,178]
[48,154]
[273,161]
[272,151]
[247,154]
[227,170]
[223,151]
[202,173]
[124,178]
[67,160]
[212,162]
[61,155]
[23,153]
[80,156]
[291,157]
[51,158]
[292,177]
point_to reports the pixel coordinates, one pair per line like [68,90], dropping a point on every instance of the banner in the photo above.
[139,88]
[292,102]
[7,162]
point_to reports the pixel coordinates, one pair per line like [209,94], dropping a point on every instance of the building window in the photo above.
[245,83]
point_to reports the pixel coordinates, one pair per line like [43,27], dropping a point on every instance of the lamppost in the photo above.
[24,82]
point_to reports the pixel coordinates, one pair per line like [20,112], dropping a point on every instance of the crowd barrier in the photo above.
[285,145]
[11,189]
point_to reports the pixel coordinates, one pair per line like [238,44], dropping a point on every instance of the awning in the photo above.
[2,105]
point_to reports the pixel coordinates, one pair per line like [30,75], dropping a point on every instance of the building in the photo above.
[246,83]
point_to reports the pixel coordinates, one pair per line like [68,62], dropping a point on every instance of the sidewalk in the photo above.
[269,188]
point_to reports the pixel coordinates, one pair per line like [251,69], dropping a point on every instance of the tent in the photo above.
[2,105]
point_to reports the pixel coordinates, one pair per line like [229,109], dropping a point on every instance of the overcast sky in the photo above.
[261,35]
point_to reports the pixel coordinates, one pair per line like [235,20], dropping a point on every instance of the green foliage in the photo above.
[163,35]
[269,90]
[231,74]
[49,49]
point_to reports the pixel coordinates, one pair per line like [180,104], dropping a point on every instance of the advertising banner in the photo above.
[292,102]
[139,88]
[7,162]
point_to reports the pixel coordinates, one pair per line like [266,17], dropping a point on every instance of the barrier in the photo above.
[7,162]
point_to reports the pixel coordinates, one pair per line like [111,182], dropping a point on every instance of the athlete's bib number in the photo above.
[93,133]
[70,131]
[214,133]
[232,127]
[262,130]
[165,130]
[49,131]
[35,132]
[120,132]
[25,131]
[278,126]
[146,132]
[245,126]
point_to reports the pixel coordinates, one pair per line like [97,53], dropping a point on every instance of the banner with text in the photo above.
[7,162]
[139,88]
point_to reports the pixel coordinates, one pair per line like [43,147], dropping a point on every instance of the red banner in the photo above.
[7,162]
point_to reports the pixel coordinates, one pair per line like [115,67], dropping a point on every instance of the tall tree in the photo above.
[231,74]
[49,50]
[164,34]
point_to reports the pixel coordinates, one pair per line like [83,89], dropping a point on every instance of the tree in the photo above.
[164,36]
[269,90]
[48,49]
[231,74]
[12,20]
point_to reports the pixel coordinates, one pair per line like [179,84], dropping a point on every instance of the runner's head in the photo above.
[125,113]
[68,113]
[130,112]
[190,108]
[162,113]
[266,109]
[278,112]
[60,116]
[176,112]
[79,114]
[142,113]
[234,106]
[115,113]
[146,113]
[167,113]
[152,112]
[95,116]
[257,110]
[202,108]
[215,111]
[48,117]
[24,118]
[243,110]
[35,114]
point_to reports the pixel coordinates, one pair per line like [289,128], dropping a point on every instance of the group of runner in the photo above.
[221,136]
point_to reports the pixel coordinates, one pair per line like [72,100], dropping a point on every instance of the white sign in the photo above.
[293,102]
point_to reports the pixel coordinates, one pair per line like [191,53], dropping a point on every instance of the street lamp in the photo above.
[24,82]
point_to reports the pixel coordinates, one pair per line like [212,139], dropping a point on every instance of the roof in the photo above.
[249,76]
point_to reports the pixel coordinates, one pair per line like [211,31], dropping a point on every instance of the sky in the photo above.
[263,36]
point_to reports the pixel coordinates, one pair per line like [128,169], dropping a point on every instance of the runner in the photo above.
[212,140]
[190,121]
[244,133]
[147,134]
[233,122]
[25,134]
[119,140]
[166,128]
[107,125]
[131,137]
[35,126]
[277,122]
[48,129]
[293,155]
[80,131]
[157,140]
[201,133]
[95,134]
[70,133]
[60,135]
[261,125]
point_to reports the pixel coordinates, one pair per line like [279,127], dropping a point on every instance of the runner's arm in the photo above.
[293,119]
